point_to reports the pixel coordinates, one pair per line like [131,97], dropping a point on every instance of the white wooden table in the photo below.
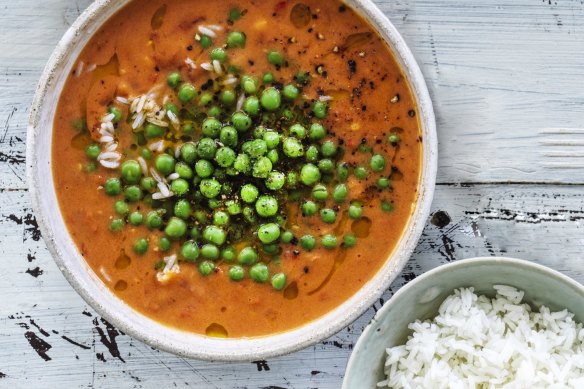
[507,80]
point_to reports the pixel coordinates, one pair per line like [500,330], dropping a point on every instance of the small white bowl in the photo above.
[421,298]
[88,285]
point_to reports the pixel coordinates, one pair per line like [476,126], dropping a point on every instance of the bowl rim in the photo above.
[241,349]
[475,261]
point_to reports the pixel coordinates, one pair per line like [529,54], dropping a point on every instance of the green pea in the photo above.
[141,246]
[298,131]
[214,234]
[328,148]
[247,256]
[164,163]
[342,171]
[172,108]
[236,39]
[221,218]
[279,281]
[340,193]
[182,209]
[206,148]
[326,165]
[146,153]
[319,192]
[228,254]
[377,163]
[136,218]
[218,54]
[308,242]
[262,167]
[173,79]
[293,148]
[236,273]
[249,85]
[90,167]
[206,268]
[179,187]
[153,131]
[206,98]
[242,163]
[225,157]
[164,244]
[176,228]
[188,153]
[271,99]
[211,127]
[210,188]
[271,139]
[328,216]
[204,168]
[121,207]
[386,206]
[287,237]
[349,240]
[186,93]
[290,92]
[255,148]
[228,97]
[291,179]
[190,251]
[361,173]
[268,78]
[329,241]
[184,171]
[266,206]
[275,181]
[133,193]
[309,208]
[233,207]
[317,132]
[93,151]
[275,58]
[394,139]
[251,106]
[113,186]
[288,114]
[355,211]
[312,154]
[210,251]
[214,111]
[153,220]
[116,112]
[206,41]
[249,193]
[195,233]
[319,109]
[259,273]
[273,156]
[116,225]
[268,233]
[383,183]
[310,174]
[228,136]
[241,121]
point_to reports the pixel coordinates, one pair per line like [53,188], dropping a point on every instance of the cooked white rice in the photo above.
[478,342]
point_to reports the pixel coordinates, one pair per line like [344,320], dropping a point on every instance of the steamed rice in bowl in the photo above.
[478,342]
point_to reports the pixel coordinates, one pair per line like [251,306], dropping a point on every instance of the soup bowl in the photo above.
[421,299]
[107,304]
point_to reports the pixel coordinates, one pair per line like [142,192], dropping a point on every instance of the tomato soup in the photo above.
[240,169]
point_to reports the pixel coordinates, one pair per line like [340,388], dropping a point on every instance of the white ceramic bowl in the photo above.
[88,285]
[421,298]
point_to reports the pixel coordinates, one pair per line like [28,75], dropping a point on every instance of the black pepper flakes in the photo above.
[190,47]
[342,8]
[352,67]
[411,113]
[306,270]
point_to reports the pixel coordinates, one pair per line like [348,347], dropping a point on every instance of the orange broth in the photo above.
[347,60]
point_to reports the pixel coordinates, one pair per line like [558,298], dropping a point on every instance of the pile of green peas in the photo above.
[238,171]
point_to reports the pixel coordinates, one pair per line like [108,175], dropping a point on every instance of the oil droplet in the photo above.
[223,309]
[158,18]
[355,40]
[291,291]
[300,15]
[81,140]
[361,227]
[216,331]
[123,261]
[121,285]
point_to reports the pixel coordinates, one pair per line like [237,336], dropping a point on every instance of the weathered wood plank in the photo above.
[538,223]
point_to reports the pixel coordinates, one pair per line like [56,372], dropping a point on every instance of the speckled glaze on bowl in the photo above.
[421,298]
[88,285]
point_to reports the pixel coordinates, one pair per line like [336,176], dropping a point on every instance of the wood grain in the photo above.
[507,83]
